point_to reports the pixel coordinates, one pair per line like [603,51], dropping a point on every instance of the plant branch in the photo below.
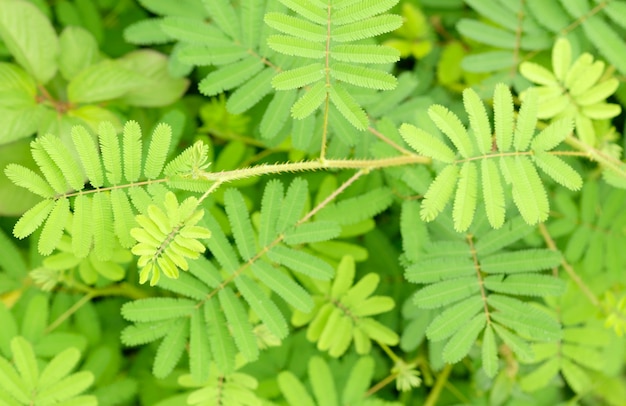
[442,378]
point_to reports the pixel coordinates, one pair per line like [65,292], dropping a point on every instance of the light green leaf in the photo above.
[322,382]
[493,193]
[251,92]
[230,76]
[25,362]
[312,232]
[283,285]
[465,199]
[479,121]
[58,368]
[293,390]
[426,144]
[297,47]
[558,170]
[12,383]
[526,285]
[103,81]
[30,38]
[68,387]
[439,193]
[503,116]
[29,179]
[171,348]
[452,127]
[529,194]
[78,51]
[88,153]
[526,121]
[53,229]
[157,151]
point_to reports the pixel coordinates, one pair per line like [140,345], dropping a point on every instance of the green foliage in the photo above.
[313,182]
[26,384]
[515,153]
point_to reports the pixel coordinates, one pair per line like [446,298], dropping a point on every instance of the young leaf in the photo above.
[503,116]
[439,193]
[157,152]
[132,146]
[479,121]
[465,199]
[493,193]
[452,127]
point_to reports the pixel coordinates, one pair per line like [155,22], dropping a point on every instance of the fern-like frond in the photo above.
[517,169]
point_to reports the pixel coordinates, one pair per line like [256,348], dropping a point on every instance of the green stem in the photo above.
[434,394]
[237,174]
[598,155]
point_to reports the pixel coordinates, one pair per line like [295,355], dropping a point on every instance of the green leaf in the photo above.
[106,80]
[301,262]
[442,293]
[28,179]
[298,77]
[82,234]
[462,341]
[251,15]
[199,347]
[465,199]
[296,27]
[322,382]
[309,102]
[527,320]
[452,127]
[293,390]
[541,376]
[123,216]
[426,144]
[526,121]
[48,167]
[292,205]
[558,170]
[230,76]
[223,14]
[363,77]
[453,318]
[359,208]
[12,383]
[251,92]
[88,153]
[348,107]
[528,260]
[526,285]
[68,387]
[78,50]
[143,333]
[222,346]
[264,308]
[33,218]
[240,223]
[429,270]
[518,345]
[30,38]
[157,152]
[479,121]
[102,225]
[25,361]
[58,368]
[439,193]
[53,229]
[64,160]
[503,116]
[367,28]
[529,194]
[312,232]
[111,154]
[296,47]
[154,309]
[132,146]
[369,54]
[238,323]
[171,348]
[490,353]
[191,30]
[493,193]
[277,114]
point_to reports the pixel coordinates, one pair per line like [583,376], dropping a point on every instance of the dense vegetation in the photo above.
[312,202]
